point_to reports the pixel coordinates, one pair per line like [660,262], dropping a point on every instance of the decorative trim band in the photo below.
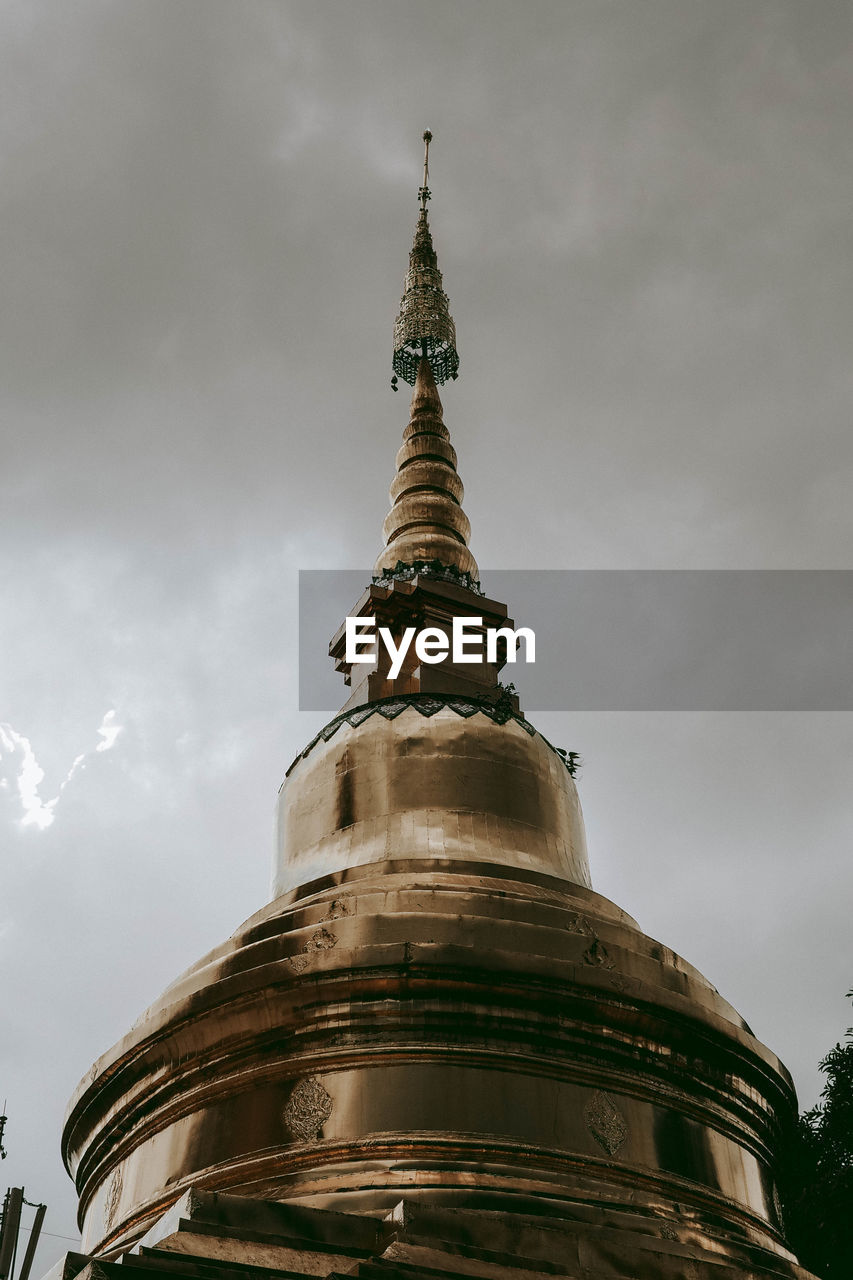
[403,572]
[427,704]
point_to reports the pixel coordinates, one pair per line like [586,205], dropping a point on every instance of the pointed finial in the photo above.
[424,329]
[425,193]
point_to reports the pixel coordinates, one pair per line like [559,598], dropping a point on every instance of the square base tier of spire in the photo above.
[421,602]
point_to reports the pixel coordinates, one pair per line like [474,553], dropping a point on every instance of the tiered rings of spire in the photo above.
[424,327]
[426,523]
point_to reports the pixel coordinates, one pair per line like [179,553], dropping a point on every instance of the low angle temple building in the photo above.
[436,1050]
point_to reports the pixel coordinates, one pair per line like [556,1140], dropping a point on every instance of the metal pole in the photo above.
[11,1224]
[35,1232]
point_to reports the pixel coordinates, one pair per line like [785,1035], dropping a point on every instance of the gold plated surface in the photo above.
[228,1237]
[426,599]
[529,1243]
[465,1034]
[444,787]
[426,521]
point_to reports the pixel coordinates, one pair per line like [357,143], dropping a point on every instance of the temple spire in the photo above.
[426,524]
[424,326]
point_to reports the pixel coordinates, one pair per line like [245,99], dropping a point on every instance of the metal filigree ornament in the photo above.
[426,705]
[403,572]
[322,940]
[605,1122]
[424,326]
[307,1110]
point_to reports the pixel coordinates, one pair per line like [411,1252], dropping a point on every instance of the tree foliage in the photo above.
[816,1182]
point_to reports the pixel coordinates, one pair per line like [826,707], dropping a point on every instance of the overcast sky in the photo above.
[642,210]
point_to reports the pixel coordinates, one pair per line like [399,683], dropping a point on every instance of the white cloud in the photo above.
[36,812]
[109,731]
[28,775]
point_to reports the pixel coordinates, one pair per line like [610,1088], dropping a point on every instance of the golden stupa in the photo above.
[437,1050]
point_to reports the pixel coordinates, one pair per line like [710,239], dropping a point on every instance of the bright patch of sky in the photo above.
[19,768]
[109,731]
